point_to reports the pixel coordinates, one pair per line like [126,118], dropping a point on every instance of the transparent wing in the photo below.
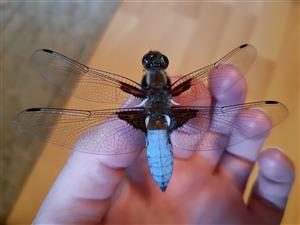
[212,126]
[241,57]
[91,84]
[65,126]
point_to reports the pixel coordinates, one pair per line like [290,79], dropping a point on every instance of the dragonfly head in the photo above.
[155,59]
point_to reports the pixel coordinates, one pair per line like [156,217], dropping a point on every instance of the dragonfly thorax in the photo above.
[156,78]
[158,121]
[158,86]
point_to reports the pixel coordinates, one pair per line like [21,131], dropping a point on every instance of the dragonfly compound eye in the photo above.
[164,61]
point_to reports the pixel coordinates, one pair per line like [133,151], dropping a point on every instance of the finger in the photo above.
[251,127]
[185,140]
[82,192]
[197,95]
[273,185]
[227,86]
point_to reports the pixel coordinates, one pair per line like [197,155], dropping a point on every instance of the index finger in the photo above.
[226,86]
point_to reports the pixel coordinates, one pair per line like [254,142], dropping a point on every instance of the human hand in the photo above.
[206,187]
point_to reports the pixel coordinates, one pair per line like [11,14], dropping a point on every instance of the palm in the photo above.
[193,183]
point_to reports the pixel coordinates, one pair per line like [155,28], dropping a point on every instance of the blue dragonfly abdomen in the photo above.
[160,156]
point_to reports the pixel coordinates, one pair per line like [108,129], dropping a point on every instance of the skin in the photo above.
[207,187]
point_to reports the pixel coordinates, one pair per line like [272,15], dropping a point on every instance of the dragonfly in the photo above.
[150,108]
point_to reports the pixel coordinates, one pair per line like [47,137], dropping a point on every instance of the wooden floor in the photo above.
[192,35]
[26,27]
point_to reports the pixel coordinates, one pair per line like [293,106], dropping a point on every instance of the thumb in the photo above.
[82,192]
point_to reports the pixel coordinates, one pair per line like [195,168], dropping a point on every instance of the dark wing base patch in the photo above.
[181,116]
[135,118]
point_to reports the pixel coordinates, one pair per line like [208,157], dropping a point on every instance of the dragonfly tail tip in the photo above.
[163,188]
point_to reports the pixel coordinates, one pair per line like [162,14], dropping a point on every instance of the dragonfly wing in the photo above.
[241,58]
[96,127]
[90,84]
[211,126]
